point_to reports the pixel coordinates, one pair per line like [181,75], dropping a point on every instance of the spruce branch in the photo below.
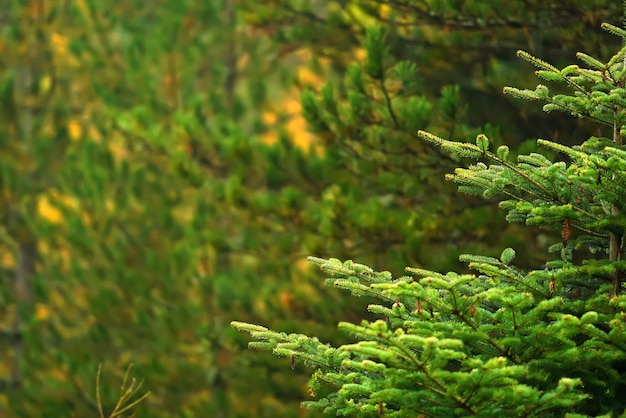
[616,248]
[502,341]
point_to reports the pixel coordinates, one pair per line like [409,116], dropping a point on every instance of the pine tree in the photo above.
[503,341]
[395,67]
[139,174]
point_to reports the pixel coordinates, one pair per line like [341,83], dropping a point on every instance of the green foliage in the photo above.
[145,198]
[417,65]
[468,43]
[503,341]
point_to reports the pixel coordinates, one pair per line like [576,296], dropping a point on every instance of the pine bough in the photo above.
[502,341]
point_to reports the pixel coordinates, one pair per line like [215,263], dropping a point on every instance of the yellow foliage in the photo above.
[385,11]
[286,299]
[60,43]
[47,211]
[288,108]
[60,50]
[42,312]
[292,106]
[269,138]
[109,205]
[260,307]
[7,259]
[297,128]
[118,148]
[183,213]
[75,130]
[69,202]
[309,77]
[269,118]
[359,16]
[94,134]
[119,151]
[44,84]
[360,54]
[302,266]
[243,60]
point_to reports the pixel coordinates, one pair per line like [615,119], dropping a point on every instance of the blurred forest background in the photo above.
[167,165]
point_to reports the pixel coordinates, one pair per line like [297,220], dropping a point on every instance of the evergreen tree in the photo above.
[409,65]
[141,207]
[504,341]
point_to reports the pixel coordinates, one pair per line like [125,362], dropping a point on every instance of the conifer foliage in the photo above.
[437,66]
[502,341]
